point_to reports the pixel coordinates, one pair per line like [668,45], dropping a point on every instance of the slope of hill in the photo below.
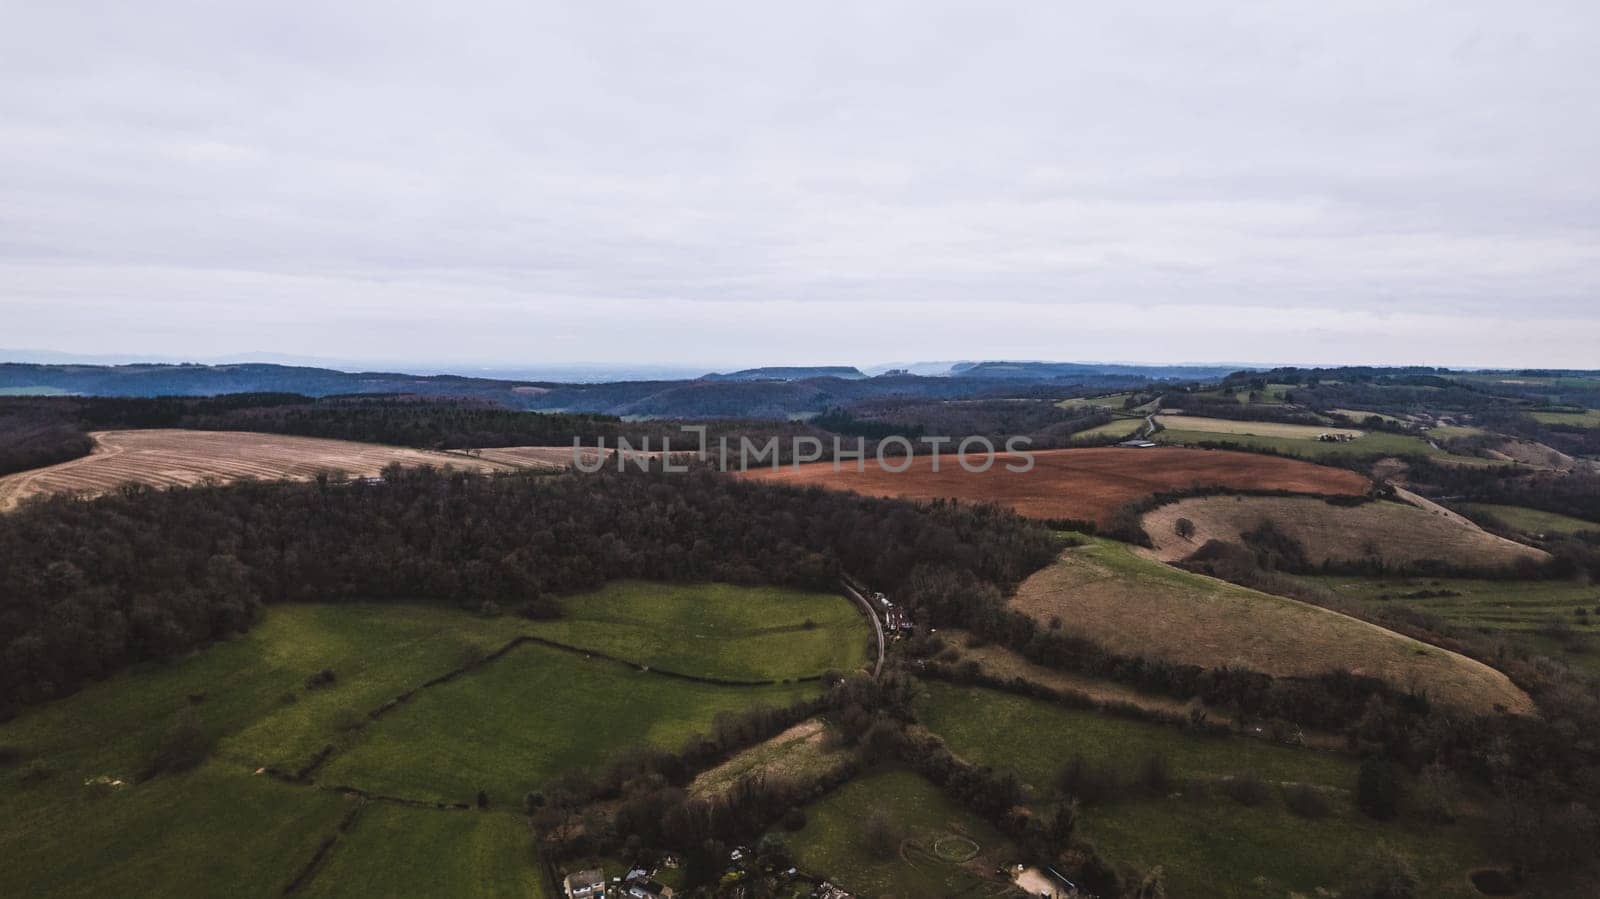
[1398,533]
[1132,605]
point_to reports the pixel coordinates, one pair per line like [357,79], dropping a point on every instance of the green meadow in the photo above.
[1533,521]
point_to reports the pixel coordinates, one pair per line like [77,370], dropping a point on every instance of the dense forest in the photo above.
[89,586]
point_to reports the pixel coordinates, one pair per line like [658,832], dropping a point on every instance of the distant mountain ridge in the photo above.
[789,373]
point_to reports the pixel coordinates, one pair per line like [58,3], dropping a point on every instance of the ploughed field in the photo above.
[181,458]
[77,819]
[1133,605]
[1087,484]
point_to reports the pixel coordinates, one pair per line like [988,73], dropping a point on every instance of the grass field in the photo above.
[1373,443]
[716,630]
[180,458]
[1120,428]
[223,829]
[833,841]
[1253,428]
[398,851]
[1209,845]
[1542,613]
[1077,483]
[1589,418]
[1395,532]
[1109,593]
[1534,521]
[510,726]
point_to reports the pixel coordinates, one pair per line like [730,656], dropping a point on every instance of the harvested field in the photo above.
[799,753]
[1398,533]
[1133,605]
[181,458]
[1077,483]
[553,458]
[1256,428]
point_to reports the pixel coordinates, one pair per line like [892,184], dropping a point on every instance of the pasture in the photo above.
[501,725]
[1119,429]
[1133,605]
[1588,418]
[1209,845]
[1372,443]
[1076,483]
[1398,533]
[182,458]
[1533,521]
[715,630]
[932,856]
[1253,428]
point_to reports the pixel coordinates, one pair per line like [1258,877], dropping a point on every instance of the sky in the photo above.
[740,184]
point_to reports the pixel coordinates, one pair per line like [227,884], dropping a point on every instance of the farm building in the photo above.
[588,884]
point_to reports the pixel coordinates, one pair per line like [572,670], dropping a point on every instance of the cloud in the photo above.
[1367,182]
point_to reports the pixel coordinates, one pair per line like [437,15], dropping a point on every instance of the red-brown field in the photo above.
[1078,483]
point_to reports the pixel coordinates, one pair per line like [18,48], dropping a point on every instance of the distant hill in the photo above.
[1048,371]
[789,373]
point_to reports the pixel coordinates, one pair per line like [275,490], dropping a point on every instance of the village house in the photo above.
[589,884]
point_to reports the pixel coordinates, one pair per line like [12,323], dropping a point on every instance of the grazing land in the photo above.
[1373,443]
[930,826]
[715,630]
[509,726]
[1120,428]
[1109,593]
[1559,617]
[1253,428]
[1533,521]
[180,458]
[1588,418]
[1396,533]
[1086,484]
[1209,845]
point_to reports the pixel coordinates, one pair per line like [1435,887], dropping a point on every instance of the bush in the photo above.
[1437,793]
[1377,789]
[1155,775]
[1089,784]
[882,834]
[794,819]
[1307,801]
[320,679]
[1246,789]
[1387,874]
[183,748]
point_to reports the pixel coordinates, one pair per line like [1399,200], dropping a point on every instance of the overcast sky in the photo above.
[756,183]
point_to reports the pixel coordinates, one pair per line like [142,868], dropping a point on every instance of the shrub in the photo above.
[1184,528]
[1155,775]
[184,747]
[1089,784]
[882,834]
[1387,874]
[320,679]
[1306,801]
[794,819]
[1377,789]
[1437,793]
[1246,789]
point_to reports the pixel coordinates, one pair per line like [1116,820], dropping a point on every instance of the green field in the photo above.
[1541,613]
[1033,738]
[1209,845]
[833,842]
[223,829]
[34,391]
[396,851]
[716,630]
[1533,521]
[510,726]
[1373,443]
[1589,418]
[1120,428]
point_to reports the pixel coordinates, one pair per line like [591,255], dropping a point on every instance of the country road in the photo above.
[872,616]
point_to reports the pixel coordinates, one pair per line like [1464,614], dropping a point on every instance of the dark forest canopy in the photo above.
[87,587]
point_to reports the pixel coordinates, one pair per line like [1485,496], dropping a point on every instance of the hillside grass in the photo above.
[801,753]
[1119,428]
[1238,427]
[510,726]
[1209,845]
[1533,521]
[1588,418]
[1372,443]
[393,850]
[833,843]
[716,630]
[1110,593]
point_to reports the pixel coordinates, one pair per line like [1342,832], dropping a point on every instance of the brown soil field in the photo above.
[1077,483]
[1133,605]
[177,458]
[1396,532]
